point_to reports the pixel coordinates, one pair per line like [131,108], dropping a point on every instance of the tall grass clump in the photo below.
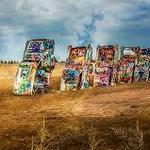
[131,138]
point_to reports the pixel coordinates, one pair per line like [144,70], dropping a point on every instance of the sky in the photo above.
[72,22]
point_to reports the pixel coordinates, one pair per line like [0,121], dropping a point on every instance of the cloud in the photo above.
[72,22]
[11,47]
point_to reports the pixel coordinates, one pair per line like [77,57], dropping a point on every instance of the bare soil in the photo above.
[118,106]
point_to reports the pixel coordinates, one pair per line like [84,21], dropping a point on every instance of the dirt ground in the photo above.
[118,106]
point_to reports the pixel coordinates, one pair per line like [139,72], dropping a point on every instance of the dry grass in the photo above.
[46,141]
[130,138]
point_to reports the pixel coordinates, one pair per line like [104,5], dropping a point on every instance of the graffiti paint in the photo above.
[114,77]
[106,56]
[126,70]
[77,68]
[80,54]
[25,78]
[35,70]
[70,78]
[142,69]
[102,75]
[128,61]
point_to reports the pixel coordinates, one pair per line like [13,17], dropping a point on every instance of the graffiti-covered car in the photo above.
[77,68]
[129,58]
[25,78]
[141,72]
[70,78]
[104,72]
[34,71]
[102,75]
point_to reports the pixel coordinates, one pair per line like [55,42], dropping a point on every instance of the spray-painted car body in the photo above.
[126,70]
[70,79]
[129,57]
[142,69]
[102,75]
[77,68]
[34,71]
[25,78]
[105,58]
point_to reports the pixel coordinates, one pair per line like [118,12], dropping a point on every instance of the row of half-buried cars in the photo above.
[113,65]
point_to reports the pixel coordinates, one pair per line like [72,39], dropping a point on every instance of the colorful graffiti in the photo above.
[80,72]
[80,54]
[104,73]
[77,68]
[106,53]
[126,70]
[70,78]
[142,69]
[128,61]
[34,71]
[25,78]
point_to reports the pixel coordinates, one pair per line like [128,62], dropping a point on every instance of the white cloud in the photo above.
[14,41]
[20,16]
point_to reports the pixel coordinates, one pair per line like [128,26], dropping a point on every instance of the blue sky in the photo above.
[123,22]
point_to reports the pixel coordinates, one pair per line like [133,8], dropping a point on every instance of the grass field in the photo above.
[100,118]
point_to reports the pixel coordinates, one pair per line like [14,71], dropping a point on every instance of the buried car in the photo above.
[142,68]
[129,58]
[34,71]
[105,70]
[77,71]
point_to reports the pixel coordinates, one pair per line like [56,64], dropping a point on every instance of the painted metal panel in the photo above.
[104,73]
[142,69]
[77,68]
[129,58]
[25,78]
[39,53]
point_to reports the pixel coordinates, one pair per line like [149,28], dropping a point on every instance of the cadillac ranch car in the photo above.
[78,68]
[141,72]
[102,75]
[129,59]
[105,72]
[34,71]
